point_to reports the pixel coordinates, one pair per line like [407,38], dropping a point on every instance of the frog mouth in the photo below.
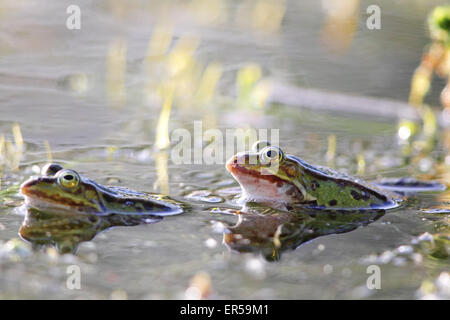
[257,186]
[41,200]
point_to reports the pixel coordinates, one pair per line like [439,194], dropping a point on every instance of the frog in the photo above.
[268,175]
[60,190]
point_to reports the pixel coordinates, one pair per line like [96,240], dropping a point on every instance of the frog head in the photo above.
[266,174]
[59,189]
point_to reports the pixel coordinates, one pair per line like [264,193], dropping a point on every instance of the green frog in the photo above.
[268,175]
[61,190]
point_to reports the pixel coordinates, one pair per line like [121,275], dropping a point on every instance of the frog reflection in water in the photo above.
[274,231]
[306,201]
[65,208]
[65,232]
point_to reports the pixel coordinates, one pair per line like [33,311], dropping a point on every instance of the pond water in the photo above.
[90,99]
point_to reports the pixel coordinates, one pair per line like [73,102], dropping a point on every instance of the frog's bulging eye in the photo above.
[271,154]
[50,169]
[68,179]
[259,145]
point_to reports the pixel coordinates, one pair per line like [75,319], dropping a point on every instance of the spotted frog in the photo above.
[268,175]
[60,190]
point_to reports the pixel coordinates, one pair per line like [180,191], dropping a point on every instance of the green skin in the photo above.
[52,192]
[289,180]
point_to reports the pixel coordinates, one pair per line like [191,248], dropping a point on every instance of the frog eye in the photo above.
[271,154]
[68,179]
[259,145]
[50,169]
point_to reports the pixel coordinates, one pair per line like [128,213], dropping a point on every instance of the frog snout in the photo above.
[28,184]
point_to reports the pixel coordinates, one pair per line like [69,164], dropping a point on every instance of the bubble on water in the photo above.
[255,267]
[218,227]
[386,257]
[424,237]
[405,249]
[211,243]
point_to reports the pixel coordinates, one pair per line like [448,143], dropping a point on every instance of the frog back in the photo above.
[329,189]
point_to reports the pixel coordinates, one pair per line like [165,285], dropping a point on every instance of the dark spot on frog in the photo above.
[279,184]
[108,198]
[332,202]
[314,185]
[356,195]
